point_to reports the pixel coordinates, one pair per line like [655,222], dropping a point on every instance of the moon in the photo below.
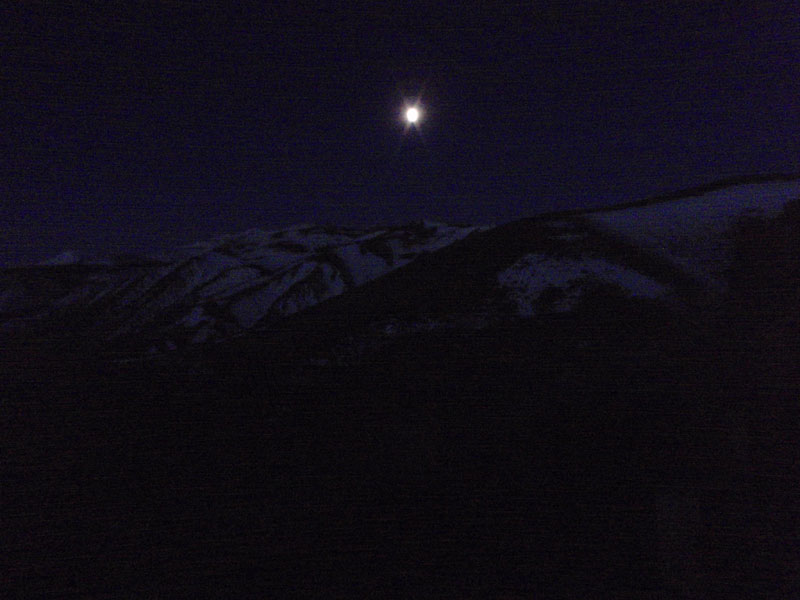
[412,115]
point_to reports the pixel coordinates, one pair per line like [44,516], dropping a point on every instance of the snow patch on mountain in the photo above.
[229,282]
[363,265]
[565,280]
[255,303]
[323,283]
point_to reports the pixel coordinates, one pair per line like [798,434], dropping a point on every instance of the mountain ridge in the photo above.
[673,249]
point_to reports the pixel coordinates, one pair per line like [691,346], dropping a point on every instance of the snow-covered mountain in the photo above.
[212,289]
[690,237]
[677,251]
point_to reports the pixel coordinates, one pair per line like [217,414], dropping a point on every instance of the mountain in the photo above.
[588,403]
[206,291]
[680,256]
[674,250]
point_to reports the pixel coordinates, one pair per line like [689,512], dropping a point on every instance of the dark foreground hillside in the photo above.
[622,450]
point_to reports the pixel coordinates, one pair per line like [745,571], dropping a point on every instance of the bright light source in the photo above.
[412,114]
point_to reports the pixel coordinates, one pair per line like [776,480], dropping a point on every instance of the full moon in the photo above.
[412,114]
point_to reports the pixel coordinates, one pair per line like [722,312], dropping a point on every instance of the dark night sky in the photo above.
[136,129]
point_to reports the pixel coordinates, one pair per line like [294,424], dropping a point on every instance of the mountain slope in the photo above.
[207,291]
[543,266]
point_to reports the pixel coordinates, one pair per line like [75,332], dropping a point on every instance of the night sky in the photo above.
[132,130]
